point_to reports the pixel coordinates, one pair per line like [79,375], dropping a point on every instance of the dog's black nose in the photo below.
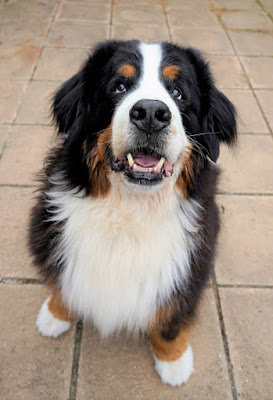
[150,115]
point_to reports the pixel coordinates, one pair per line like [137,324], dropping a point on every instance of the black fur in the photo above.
[84,106]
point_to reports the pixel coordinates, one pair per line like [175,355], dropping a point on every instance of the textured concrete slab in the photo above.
[98,12]
[228,72]
[259,70]
[254,20]
[138,15]
[57,64]
[26,147]
[18,62]
[15,205]
[252,43]
[36,104]
[249,168]
[146,33]
[245,250]
[202,20]
[249,333]
[250,118]
[265,98]
[10,96]
[4,133]
[122,368]
[32,367]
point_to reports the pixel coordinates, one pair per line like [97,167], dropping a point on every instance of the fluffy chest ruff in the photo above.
[123,256]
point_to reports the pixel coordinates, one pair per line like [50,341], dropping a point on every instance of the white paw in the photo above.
[48,325]
[177,372]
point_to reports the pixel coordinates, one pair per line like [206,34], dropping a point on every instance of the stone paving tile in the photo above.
[252,43]
[249,333]
[18,62]
[202,20]
[15,205]
[36,103]
[122,367]
[64,34]
[138,15]
[247,20]
[265,98]
[249,168]
[245,249]
[237,5]
[146,33]
[196,5]
[268,5]
[228,72]
[10,96]
[205,40]
[30,10]
[4,133]
[32,367]
[259,70]
[98,12]
[16,33]
[250,117]
[24,154]
[57,64]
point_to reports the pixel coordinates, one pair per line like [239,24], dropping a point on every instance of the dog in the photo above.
[125,224]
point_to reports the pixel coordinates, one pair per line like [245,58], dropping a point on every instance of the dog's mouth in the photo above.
[143,168]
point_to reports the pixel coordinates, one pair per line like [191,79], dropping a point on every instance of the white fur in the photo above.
[48,325]
[123,255]
[149,87]
[177,372]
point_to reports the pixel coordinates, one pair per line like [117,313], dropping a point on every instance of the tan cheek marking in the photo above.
[99,181]
[58,308]
[170,350]
[185,178]
[127,71]
[170,71]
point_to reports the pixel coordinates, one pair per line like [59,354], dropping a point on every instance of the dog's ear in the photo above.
[217,116]
[68,108]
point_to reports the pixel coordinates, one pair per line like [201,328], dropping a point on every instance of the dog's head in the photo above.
[145,114]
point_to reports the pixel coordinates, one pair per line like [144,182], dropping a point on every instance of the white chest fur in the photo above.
[123,255]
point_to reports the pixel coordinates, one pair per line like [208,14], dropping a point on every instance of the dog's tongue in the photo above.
[145,160]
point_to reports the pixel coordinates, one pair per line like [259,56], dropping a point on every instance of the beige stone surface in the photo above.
[84,35]
[57,64]
[138,15]
[32,367]
[259,70]
[36,104]
[10,96]
[250,118]
[237,5]
[204,20]
[249,168]
[98,11]
[34,10]
[228,72]
[122,367]
[16,33]
[208,41]
[265,98]
[245,250]
[249,333]
[252,43]
[254,20]
[147,33]
[15,205]
[4,133]
[26,148]
[18,62]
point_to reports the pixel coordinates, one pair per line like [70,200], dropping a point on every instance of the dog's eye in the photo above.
[121,88]
[176,94]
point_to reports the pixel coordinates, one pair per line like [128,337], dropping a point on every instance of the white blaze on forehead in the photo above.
[149,87]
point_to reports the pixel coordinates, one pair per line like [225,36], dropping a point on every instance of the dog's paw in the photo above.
[48,325]
[177,372]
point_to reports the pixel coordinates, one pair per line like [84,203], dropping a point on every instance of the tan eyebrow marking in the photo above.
[127,70]
[170,71]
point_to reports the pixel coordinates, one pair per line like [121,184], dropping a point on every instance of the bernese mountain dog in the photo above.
[125,224]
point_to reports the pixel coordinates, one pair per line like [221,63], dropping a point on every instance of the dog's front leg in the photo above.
[54,318]
[173,355]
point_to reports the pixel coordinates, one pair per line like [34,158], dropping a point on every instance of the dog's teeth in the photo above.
[134,167]
[155,169]
[150,169]
[160,163]
[130,159]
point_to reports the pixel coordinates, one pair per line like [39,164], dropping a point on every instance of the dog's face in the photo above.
[149,113]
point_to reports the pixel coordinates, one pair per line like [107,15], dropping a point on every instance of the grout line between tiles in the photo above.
[76,361]
[163,3]
[242,286]
[243,194]
[224,336]
[22,281]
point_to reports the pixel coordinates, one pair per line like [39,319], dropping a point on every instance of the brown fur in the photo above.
[170,71]
[58,308]
[192,164]
[127,71]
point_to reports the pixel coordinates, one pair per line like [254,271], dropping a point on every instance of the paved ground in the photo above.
[42,43]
